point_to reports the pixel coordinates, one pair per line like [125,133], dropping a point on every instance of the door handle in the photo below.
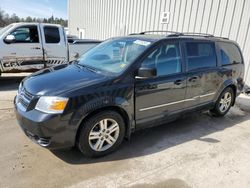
[178,82]
[36,48]
[192,79]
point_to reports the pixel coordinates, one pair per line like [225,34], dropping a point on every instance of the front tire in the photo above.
[224,102]
[101,134]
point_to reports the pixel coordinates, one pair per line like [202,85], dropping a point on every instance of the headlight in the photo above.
[51,105]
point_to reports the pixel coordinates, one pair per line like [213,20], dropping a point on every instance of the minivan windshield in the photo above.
[114,55]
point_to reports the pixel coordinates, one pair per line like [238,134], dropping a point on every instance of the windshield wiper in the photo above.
[92,69]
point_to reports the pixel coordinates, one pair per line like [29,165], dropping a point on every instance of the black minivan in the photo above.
[125,84]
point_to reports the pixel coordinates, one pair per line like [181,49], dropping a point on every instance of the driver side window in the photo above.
[26,34]
[165,58]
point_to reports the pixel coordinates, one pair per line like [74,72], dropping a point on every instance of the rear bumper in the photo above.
[49,131]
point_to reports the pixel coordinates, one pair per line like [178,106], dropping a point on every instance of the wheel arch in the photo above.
[231,84]
[234,90]
[117,109]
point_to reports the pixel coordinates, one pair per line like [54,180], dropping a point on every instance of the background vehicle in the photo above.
[72,38]
[126,84]
[34,46]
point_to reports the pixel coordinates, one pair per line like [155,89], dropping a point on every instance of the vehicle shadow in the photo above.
[196,126]
[9,83]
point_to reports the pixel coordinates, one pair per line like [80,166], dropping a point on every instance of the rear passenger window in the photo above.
[230,53]
[200,55]
[165,58]
[51,34]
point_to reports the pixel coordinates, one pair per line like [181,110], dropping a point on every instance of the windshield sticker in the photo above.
[142,42]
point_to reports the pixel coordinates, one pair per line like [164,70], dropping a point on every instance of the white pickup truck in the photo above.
[34,46]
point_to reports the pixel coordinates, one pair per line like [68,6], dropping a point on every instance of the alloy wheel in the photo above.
[104,134]
[225,102]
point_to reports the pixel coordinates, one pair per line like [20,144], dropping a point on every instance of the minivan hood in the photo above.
[60,79]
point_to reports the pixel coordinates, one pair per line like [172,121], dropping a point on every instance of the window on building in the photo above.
[51,34]
[165,58]
[200,55]
[26,34]
[230,53]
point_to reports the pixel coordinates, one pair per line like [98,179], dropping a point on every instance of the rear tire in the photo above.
[224,102]
[101,134]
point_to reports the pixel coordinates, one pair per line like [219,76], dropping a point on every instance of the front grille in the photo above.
[24,98]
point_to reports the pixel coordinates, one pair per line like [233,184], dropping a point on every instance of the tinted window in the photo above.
[200,55]
[230,54]
[27,34]
[165,58]
[51,34]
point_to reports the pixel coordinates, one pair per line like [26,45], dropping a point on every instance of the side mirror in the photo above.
[9,39]
[146,73]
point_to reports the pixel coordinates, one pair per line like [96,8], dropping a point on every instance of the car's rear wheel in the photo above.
[101,134]
[224,102]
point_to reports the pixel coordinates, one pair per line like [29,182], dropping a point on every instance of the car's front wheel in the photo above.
[101,134]
[224,102]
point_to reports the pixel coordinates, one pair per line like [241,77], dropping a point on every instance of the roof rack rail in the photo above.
[226,38]
[134,33]
[176,34]
[203,35]
[160,31]
[197,34]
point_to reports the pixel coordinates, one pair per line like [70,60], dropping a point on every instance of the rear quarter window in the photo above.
[230,53]
[200,55]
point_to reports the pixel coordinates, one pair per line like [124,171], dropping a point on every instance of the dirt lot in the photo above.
[195,151]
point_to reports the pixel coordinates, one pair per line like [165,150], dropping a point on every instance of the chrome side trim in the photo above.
[167,104]
[206,95]
[140,78]
[181,101]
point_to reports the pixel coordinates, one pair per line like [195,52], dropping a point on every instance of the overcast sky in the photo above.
[35,8]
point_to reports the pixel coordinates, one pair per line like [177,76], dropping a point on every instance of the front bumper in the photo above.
[47,130]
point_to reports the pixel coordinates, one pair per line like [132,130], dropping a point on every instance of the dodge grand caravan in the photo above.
[125,84]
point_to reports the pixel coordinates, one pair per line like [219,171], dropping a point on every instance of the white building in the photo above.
[101,19]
